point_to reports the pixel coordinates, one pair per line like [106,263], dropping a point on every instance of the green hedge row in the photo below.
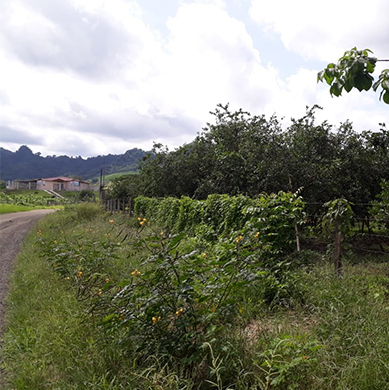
[271,217]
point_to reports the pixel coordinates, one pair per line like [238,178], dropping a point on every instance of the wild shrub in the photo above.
[187,292]
[380,208]
[86,211]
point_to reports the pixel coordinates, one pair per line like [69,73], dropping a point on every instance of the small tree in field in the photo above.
[354,70]
[337,222]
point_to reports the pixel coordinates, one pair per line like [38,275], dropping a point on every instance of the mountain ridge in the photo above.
[25,165]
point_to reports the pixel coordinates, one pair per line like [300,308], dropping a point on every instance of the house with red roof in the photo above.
[60,183]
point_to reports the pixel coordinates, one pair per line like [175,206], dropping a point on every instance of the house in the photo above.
[59,183]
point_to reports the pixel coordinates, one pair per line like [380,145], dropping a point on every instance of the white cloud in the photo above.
[88,77]
[324,31]
[211,59]
[95,69]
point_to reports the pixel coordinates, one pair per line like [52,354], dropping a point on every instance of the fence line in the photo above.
[118,206]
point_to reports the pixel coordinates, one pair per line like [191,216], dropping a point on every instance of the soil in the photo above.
[13,230]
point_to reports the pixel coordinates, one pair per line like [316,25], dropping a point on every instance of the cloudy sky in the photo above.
[90,77]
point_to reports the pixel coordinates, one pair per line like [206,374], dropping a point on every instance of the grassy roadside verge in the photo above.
[52,342]
[13,208]
[49,341]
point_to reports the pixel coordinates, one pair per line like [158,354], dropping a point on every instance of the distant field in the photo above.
[66,194]
[28,192]
[111,176]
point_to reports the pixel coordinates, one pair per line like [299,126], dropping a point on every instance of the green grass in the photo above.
[50,341]
[28,192]
[109,177]
[331,334]
[12,208]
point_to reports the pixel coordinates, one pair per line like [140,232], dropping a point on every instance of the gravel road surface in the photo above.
[13,230]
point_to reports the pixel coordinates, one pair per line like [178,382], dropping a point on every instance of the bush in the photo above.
[86,211]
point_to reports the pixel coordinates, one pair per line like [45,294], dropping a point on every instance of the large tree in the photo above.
[244,154]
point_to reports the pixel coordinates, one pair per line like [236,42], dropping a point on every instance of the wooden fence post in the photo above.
[297,237]
[338,250]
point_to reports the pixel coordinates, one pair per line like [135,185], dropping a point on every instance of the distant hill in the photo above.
[24,164]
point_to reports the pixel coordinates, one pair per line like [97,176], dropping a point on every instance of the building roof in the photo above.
[61,178]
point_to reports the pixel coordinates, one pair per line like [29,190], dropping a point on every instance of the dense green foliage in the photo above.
[124,187]
[30,199]
[380,208]
[153,302]
[354,70]
[250,155]
[271,217]
[204,288]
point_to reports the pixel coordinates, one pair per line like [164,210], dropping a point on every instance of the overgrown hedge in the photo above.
[272,217]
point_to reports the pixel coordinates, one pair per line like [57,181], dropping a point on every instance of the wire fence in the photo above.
[369,234]
[124,206]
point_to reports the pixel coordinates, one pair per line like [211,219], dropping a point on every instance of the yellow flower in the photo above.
[156,319]
[204,255]
[256,235]
[139,219]
[238,239]
[100,291]
[161,234]
[136,272]
[111,221]
[142,223]
[179,311]
[79,274]
[67,278]
[107,280]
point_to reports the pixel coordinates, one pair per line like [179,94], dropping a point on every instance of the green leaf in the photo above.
[320,76]
[329,75]
[336,89]
[370,66]
[349,84]
[385,98]
[363,82]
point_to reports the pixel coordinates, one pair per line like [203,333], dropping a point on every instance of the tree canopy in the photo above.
[244,154]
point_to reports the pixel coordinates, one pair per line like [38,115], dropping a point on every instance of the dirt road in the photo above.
[13,229]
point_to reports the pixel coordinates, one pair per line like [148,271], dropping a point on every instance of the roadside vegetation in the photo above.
[26,200]
[193,295]
[12,208]
[254,258]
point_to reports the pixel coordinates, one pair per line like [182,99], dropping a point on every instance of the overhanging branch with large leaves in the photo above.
[354,70]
